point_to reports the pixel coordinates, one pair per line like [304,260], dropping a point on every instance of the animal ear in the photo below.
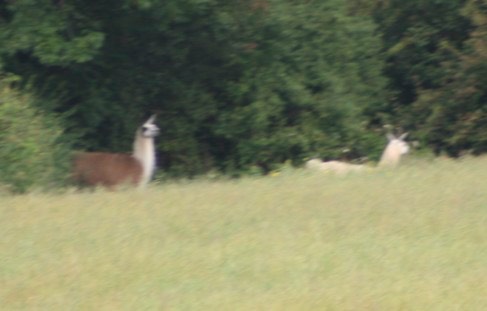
[390,136]
[151,119]
[403,136]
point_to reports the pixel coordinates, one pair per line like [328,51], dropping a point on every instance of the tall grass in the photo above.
[410,239]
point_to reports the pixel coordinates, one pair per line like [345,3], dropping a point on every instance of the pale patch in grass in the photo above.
[410,239]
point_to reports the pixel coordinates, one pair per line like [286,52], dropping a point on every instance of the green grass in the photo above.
[410,239]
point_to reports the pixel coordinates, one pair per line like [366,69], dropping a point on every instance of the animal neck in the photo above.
[390,156]
[144,152]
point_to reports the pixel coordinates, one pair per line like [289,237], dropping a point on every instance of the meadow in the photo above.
[414,238]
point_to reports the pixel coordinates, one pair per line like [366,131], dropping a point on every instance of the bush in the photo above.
[31,152]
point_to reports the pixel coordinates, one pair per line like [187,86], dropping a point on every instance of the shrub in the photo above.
[32,154]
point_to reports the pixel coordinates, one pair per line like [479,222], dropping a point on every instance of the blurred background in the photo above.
[240,85]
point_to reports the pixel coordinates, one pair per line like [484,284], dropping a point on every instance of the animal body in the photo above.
[115,169]
[338,167]
[395,149]
[391,156]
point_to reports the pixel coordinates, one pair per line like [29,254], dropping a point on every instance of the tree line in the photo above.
[243,85]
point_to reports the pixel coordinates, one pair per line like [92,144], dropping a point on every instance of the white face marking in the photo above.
[149,129]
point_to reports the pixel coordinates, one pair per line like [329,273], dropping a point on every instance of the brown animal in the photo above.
[114,169]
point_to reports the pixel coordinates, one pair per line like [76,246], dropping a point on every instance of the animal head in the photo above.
[398,143]
[394,150]
[149,129]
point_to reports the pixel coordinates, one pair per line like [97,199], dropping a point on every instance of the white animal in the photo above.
[390,158]
[396,148]
[315,164]
[114,169]
[337,167]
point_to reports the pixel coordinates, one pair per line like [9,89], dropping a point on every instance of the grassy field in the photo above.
[411,239]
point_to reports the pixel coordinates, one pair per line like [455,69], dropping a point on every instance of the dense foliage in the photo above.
[437,63]
[252,83]
[32,151]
